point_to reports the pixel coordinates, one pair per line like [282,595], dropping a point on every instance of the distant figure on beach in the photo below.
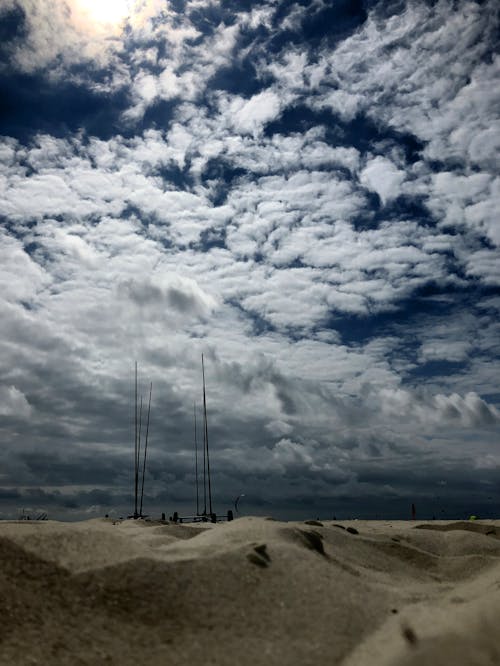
[413,512]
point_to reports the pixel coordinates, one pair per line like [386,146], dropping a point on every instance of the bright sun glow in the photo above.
[106,11]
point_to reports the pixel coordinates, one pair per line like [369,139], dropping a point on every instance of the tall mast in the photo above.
[206,434]
[145,447]
[139,440]
[196,463]
[204,462]
[135,450]
[138,459]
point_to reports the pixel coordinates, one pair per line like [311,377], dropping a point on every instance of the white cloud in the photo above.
[439,410]
[288,453]
[53,31]
[249,116]
[21,278]
[470,201]
[380,175]
[423,71]
[145,87]
[176,292]
[279,428]
[469,410]
[485,265]
[14,403]
[444,349]
[341,102]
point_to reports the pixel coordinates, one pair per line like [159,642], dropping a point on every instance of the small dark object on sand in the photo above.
[262,551]
[341,526]
[317,523]
[409,635]
[260,557]
[394,610]
[352,530]
[255,559]
[313,540]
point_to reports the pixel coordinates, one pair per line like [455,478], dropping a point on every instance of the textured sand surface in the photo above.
[252,591]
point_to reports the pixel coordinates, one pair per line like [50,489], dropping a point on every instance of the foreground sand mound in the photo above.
[252,591]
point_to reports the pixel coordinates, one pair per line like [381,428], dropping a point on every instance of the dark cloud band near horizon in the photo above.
[307,193]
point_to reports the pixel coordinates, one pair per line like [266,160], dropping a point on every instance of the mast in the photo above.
[135,450]
[204,476]
[138,459]
[139,440]
[206,435]
[204,463]
[146,447]
[196,463]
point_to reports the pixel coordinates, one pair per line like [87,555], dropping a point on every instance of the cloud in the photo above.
[400,83]
[250,115]
[442,410]
[310,203]
[179,293]
[288,453]
[188,68]
[483,264]
[469,201]
[381,176]
[278,428]
[21,278]
[55,29]
[469,410]
[14,403]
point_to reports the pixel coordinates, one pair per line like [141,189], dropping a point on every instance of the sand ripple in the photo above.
[252,591]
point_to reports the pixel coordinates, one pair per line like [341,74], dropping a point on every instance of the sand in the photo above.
[252,591]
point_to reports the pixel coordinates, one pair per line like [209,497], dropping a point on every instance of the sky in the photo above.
[307,193]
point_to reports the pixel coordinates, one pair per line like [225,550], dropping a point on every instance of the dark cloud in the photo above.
[12,26]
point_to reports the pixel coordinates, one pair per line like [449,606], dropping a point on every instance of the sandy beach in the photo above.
[251,591]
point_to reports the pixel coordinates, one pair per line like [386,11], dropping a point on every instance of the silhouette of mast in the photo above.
[204,467]
[145,447]
[138,462]
[196,463]
[206,437]
[136,471]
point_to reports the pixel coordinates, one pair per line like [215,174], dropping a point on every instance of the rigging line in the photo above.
[204,453]
[137,462]
[135,448]
[196,463]
[139,438]
[145,447]
[206,436]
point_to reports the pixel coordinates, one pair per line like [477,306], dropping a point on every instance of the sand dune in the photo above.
[253,591]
